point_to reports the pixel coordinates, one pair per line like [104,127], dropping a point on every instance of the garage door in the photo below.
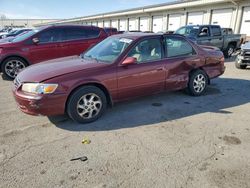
[100,23]
[144,24]
[222,17]
[195,18]
[174,22]
[94,23]
[157,23]
[107,23]
[114,24]
[132,24]
[123,25]
[245,25]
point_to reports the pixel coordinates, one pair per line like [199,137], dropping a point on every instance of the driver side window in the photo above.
[204,32]
[51,35]
[147,50]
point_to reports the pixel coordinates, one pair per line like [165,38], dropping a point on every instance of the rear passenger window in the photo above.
[92,33]
[76,33]
[216,31]
[176,47]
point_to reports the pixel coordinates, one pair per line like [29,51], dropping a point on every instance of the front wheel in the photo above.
[239,66]
[197,84]
[12,66]
[86,104]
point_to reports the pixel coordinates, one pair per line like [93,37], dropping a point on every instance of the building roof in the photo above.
[145,9]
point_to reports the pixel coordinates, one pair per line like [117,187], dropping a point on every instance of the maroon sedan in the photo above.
[119,68]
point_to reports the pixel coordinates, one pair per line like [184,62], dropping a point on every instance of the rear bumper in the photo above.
[45,105]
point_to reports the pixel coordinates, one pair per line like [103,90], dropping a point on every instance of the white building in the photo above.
[23,22]
[170,16]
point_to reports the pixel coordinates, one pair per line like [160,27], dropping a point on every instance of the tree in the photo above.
[3,17]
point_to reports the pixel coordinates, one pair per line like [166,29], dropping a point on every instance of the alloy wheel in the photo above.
[199,83]
[89,106]
[12,67]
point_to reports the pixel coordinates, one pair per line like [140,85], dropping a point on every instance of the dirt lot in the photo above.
[185,142]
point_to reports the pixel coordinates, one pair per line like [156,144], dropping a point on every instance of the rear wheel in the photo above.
[86,104]
[197,84]
[12,66]
[229,51]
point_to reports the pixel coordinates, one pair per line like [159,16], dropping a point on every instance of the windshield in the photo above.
[25,35]
[188,31]
[108,50]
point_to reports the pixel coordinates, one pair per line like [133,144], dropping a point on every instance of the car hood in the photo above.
[246,46]
[6,40]
[57,67]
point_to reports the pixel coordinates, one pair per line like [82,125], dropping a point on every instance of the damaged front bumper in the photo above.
[244,55]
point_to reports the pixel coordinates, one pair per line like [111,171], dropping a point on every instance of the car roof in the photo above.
[135,36]
[67,25]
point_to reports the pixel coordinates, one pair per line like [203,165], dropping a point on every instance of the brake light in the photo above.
[222,60]
[1,49]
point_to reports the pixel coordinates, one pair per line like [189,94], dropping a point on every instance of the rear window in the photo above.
[216,31]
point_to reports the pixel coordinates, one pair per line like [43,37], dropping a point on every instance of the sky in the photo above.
[63,9]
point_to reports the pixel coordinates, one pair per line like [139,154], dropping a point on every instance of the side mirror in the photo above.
[203,34]
[35,40]
[129,61]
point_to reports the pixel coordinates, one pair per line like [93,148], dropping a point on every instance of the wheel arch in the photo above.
[199,68]
[96,84]
[14,55]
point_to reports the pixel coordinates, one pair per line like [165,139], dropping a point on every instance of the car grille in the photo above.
[17,83]
[246,53]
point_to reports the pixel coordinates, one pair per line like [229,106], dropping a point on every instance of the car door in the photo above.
[79,39]
[204,36]
[181,57]
[217,38]
[48,46]
[147,75]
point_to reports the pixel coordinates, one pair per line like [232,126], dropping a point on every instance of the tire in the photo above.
[82,109]
[197,83]
[12,65]
[239,66]
[229,51]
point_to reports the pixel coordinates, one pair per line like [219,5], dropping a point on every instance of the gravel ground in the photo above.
[166,140]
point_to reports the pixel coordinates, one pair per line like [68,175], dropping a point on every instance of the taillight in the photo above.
[222,60]
[1,49]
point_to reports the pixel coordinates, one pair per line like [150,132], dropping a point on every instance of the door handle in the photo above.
[159,69]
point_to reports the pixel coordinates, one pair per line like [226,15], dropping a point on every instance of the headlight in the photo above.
[39,88]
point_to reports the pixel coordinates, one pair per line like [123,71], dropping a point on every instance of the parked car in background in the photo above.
[10,39]
[16,32]
[2,33]
[47,43]
[110,31]
[212,35]
[119,68]
[243,59]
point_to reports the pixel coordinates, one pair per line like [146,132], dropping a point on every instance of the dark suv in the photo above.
[47,43]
